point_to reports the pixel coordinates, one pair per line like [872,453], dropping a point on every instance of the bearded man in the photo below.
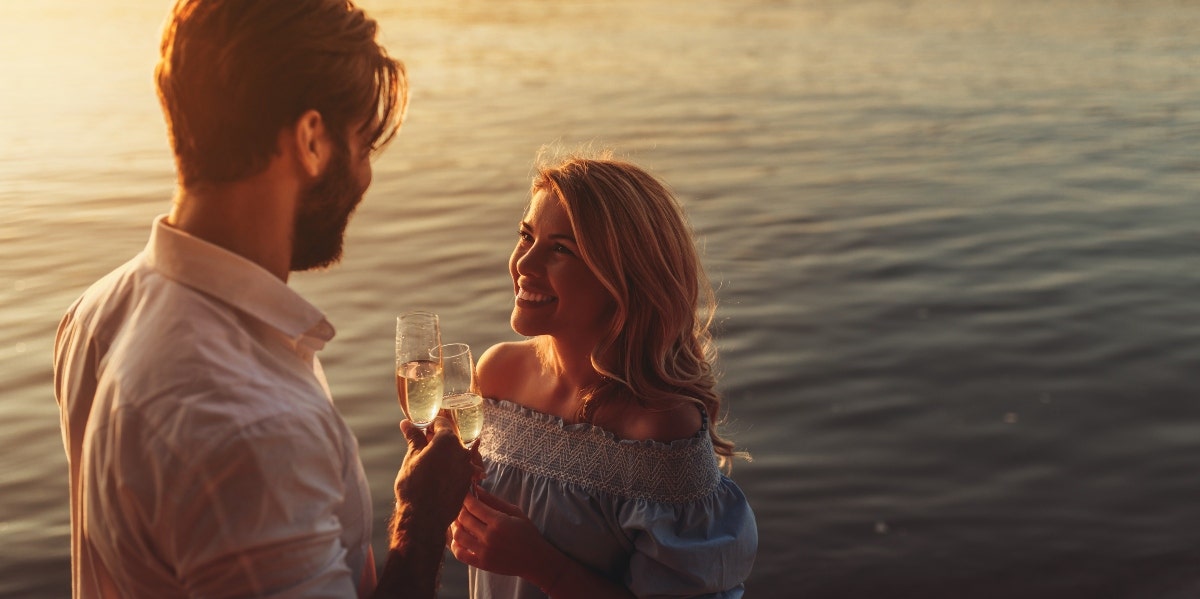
[206,456]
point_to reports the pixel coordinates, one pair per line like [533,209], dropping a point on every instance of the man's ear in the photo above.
[311,143]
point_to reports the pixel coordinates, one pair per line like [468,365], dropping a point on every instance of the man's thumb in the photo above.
[415,436]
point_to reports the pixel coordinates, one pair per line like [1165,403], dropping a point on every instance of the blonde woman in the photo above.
[603,461]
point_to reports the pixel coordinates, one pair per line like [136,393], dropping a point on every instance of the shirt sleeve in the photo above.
[704,548]
[254,515]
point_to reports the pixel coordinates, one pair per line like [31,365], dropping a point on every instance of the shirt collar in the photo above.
[242,284]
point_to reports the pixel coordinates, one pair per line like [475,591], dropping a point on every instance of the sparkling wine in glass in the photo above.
[419,366]
[461,396]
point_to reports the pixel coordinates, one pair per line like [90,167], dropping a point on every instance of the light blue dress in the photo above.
[658,517]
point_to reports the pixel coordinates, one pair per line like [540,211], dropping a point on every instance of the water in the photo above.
[956,246]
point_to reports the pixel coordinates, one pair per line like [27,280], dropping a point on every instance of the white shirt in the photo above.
[206,456]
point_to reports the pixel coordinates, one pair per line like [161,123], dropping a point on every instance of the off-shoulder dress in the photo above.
[660,518]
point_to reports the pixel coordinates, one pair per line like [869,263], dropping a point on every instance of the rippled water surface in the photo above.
[956,244]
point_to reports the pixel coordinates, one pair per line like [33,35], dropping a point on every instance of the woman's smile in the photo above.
[529,298]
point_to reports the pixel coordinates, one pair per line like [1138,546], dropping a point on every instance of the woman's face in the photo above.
[556,293]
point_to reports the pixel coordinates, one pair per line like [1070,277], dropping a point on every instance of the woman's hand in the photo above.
[494,535]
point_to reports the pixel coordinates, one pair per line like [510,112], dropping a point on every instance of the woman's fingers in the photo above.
[494,535]
[473,503]
[470,522]
[464,546]
[461,536]
[467,544]
[470,532]
[489,501]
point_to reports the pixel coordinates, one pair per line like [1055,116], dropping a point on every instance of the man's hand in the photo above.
[435,476]
[430,487]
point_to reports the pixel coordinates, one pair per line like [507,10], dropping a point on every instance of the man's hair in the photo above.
[233,73]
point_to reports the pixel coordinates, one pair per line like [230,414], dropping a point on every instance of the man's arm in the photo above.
[430,488]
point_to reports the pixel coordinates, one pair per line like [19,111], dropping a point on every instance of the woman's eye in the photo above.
[523,236]
[562,249]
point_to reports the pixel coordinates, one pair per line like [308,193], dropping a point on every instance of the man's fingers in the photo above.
[441,426]
[415,436]
[445,437]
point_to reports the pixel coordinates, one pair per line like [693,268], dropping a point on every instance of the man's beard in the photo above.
[323,214]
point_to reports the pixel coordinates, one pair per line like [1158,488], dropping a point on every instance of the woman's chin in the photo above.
[526,324]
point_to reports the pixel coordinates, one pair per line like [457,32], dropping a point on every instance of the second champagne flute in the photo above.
[419,366]
[462,398]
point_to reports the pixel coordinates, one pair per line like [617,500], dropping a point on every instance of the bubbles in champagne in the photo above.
[419,387]
[467,411]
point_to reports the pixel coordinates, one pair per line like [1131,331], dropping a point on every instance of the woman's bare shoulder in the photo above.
[501,369]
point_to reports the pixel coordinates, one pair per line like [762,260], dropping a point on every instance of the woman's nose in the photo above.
[531,262]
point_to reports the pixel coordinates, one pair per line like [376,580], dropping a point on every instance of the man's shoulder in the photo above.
[166,362]
[135,293]
[89,325]
[134,311]
[108,293]
[159,344]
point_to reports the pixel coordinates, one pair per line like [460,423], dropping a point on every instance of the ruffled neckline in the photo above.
[593,458]
[587,428]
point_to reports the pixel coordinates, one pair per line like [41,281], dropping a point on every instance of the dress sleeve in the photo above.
[703,548]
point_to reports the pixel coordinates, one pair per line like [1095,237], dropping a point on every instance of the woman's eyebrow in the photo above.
[563,236]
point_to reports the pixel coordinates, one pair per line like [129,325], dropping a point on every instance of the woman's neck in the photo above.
[570,366]
[571,362]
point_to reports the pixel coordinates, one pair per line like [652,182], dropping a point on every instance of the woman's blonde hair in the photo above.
[633,234]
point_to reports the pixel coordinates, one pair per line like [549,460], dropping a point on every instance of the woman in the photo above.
[601,449]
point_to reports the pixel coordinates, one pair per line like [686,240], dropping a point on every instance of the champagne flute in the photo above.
[461,396]
[419,366]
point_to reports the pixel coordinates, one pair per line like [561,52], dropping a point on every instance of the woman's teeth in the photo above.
[536,298]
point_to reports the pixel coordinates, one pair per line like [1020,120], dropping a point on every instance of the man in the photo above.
[206,457]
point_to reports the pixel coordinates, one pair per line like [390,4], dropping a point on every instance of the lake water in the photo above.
[957,247]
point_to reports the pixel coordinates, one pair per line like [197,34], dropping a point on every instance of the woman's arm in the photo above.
[496,536]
